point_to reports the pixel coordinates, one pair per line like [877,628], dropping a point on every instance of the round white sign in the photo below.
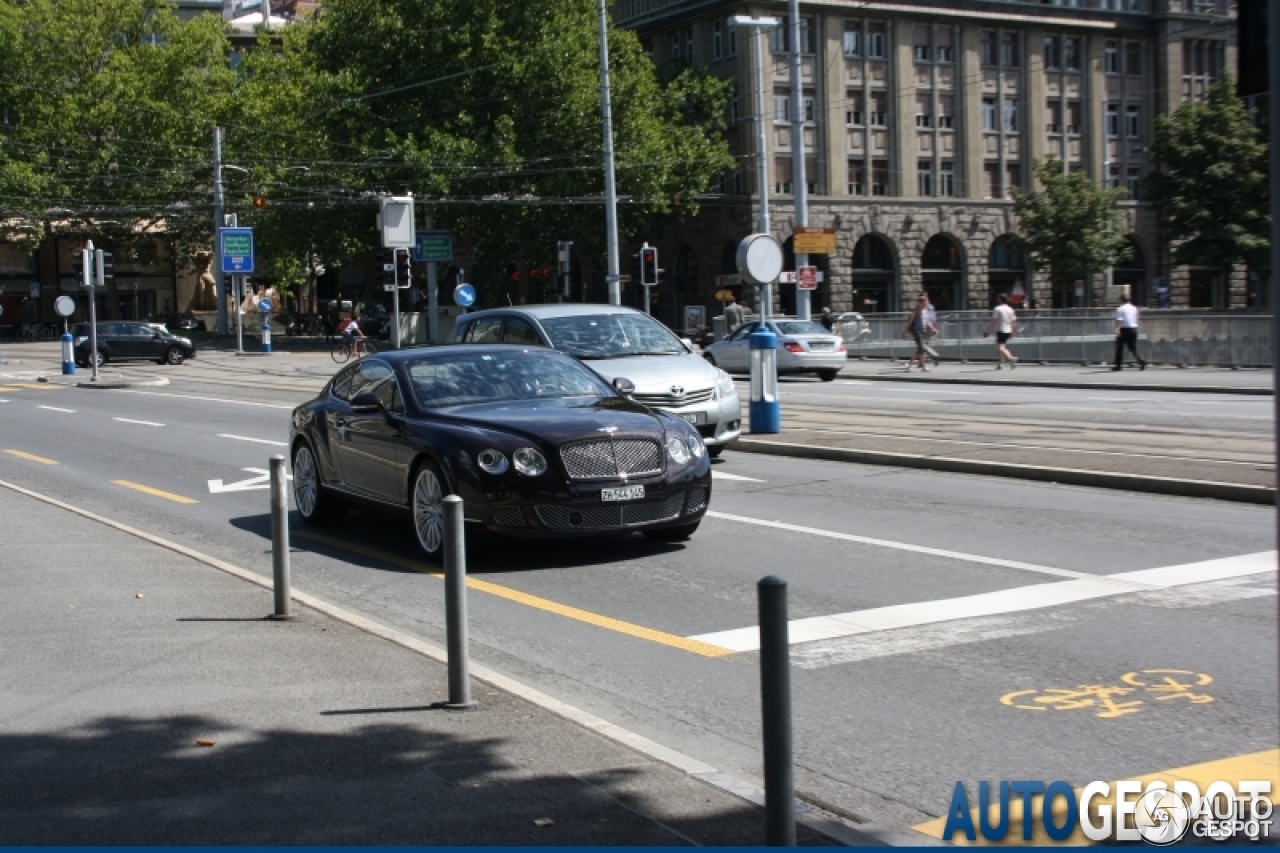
[65,306]
[760,258]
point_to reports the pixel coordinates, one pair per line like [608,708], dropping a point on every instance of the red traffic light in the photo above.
[259,201]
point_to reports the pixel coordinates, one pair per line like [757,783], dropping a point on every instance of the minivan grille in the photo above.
[598,460]
[673,401]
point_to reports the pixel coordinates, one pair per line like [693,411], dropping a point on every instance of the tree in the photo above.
[1210,181]
[1071,227]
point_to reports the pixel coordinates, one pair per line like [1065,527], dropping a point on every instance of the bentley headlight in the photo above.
[696,447]
[492,461]
[530,462]
[677,450]
[725,384]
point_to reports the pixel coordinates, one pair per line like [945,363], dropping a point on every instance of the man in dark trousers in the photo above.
[1127,333]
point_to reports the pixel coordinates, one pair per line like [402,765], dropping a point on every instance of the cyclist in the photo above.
[350,332]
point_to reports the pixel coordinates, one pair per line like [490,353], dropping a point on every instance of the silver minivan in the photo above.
[622,342]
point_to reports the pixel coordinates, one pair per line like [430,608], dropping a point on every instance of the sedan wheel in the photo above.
[316,506]
[175,355]
[428,510]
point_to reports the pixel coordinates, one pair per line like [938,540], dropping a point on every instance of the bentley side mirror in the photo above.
[365,403]
[624,386]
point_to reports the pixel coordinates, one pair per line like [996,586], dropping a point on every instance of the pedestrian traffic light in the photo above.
[389,269]
[104,264]
[404,267]
[648,265]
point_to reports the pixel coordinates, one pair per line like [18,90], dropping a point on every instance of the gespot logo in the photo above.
[1125,811]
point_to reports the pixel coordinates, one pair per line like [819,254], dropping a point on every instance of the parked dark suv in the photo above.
[127,340]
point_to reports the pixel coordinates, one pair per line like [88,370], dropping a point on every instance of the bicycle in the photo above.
[357,348]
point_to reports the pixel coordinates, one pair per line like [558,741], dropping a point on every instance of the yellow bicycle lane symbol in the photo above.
[1111,701]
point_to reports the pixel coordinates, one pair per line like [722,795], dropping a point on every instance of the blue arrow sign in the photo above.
[264,305]
[235,247]
[464,295]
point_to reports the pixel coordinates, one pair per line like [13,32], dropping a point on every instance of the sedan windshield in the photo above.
[611,336]
[463,379]
[800,327]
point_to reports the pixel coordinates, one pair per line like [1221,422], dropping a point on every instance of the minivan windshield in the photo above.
[611,335]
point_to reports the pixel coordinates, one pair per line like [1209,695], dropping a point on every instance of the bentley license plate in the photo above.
[626,493]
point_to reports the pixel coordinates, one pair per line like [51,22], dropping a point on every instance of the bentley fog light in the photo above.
[492,461]
[530,462]
[678,450]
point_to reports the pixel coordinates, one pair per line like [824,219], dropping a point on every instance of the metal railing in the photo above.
[1080,336]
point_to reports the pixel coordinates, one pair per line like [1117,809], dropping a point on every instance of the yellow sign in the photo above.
[813,241]
[1106,699]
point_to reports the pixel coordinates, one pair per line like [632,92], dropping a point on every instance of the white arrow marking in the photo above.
[254,440]
[142,423]
[722,475]
[262,481]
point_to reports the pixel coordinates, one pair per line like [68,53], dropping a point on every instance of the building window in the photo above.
[942,50]
[987,46]
[733,41]
[855,116]
[852,40]
[880,177]
[1132,122]
[991,180]
[1074,117]
[1071,53]
[780,36]
[924,111]
[1053,117]
[1111,57]
[1009,54]
[989,114]
[947,180]
[879,114]
[675,45]
[1012,179]
[810,108]
[782,176]
[943,53]
[1135,183]
[782,108]
[857,177]
[922,53]
[1052,53]
[1011,115]
[1111,179]
[716,48]
[1133,57]
[924,177]
[877,46]
[1113,120]
[946,110]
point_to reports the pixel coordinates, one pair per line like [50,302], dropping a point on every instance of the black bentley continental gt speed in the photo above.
[535,443]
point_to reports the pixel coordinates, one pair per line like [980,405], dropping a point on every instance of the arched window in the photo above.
[1133,272]
[874,275]
[942,273]
[1007,272]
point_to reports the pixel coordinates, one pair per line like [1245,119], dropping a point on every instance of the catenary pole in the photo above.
[799,180]
[218,296]
[610,185]
[762,166]
[1273,67]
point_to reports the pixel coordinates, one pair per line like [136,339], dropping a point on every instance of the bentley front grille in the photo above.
[602,460]
[607,517]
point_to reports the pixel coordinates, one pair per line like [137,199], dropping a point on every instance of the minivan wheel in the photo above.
[714,450]
[827,375]
[175,355]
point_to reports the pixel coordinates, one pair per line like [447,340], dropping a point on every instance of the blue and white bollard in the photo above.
[68,355]
[266,332]
[764,409]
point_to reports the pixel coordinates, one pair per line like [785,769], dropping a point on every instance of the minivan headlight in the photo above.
[724,383]
[530,462]
[677,450]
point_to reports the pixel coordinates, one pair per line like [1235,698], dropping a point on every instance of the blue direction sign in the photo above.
[264,305]
[433,247]
[464,295]
[236,250]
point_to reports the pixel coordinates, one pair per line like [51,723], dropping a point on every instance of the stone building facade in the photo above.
[919,118]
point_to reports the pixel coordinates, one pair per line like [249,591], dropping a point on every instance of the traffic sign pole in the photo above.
[88,258]
[264,306]
[237,293]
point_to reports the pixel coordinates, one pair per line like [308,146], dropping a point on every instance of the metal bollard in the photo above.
[280,538]
[455,603]
[775,694]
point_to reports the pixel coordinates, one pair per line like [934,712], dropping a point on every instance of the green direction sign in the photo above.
[237,250]
[433,247]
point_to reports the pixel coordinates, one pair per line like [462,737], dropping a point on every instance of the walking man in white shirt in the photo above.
[1003,318]
[1127,333]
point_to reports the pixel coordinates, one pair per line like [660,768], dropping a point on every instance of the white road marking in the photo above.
[4,401]
[925,638]
[131,421]
[1016,600]
[206,399]
[56,409]
[930,391]
[903,546]
[262,481]
[721,475]
[1117,399]
[254,440]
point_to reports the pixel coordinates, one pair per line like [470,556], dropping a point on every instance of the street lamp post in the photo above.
[610,185]
[759,25]
[799,180]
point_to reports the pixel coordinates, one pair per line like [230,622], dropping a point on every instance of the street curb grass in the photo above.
[819,820]
[1235,492]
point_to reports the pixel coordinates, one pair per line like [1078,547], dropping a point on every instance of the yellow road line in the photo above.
[38,386]
[32,457]
[661,637]
[1254,765]
[10,388]
[169,496]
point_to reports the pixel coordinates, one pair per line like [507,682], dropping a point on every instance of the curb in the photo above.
[111,384]
[1254,390]
[1069,476]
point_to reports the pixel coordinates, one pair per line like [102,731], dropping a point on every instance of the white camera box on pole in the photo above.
[395,218]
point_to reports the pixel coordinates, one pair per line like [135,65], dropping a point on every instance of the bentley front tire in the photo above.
[316,506]
[428,509]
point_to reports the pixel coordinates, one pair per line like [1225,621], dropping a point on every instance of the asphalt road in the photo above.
[974,638]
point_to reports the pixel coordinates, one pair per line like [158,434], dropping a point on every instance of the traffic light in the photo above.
[79,268]
[259,201]
[389,269]
[562,265]
[104,264]
[404,268]
[648,265]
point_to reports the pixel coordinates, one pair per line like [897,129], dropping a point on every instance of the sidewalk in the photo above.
[132,655]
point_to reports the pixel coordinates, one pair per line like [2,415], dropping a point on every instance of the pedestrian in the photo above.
[734,316]
[932,312]
[828,320]
[1002,318]
[1127,333]
[919,327]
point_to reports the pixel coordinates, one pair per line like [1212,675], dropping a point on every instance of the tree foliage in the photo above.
[1070,227]
[1210,183]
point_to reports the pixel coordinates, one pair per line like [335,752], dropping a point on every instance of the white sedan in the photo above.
[803,347]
